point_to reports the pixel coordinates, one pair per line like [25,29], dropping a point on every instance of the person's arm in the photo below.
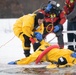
[17,27]
[62,18]
[72,15]
[27,27]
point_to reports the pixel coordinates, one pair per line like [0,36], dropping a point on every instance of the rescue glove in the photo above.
[57,28]
[38,36]
[12,63]
[48,8]
[73,54]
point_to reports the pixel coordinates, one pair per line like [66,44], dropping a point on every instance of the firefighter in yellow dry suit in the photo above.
[27,26]
[57,57]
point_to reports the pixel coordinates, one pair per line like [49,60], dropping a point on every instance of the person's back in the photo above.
[17,27]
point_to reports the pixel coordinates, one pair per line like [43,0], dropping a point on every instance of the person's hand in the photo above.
[57,28]
[48,8]
[38,36]
[12,63]
[73,54]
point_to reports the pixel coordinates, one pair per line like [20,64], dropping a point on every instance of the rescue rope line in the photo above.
[65,43]
[7,42]
[36,10]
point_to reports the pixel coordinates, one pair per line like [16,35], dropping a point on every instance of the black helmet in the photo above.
[62,61]
[39,16]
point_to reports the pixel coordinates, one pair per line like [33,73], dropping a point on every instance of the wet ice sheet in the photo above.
[13,70]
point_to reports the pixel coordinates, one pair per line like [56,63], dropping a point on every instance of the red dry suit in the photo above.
[55,17]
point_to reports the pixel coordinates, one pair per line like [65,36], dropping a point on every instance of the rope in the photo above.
[36,10]
[7,42]
[67,43]
[51,39]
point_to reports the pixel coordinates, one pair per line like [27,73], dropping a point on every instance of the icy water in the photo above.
[18,70]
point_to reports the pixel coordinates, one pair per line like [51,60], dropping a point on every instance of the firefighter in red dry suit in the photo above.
[28,26]
[70,12]
[53,21]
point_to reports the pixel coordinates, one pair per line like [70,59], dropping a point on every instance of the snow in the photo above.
[10,48]
[10,45]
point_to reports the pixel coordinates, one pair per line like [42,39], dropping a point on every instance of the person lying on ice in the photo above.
[51,53]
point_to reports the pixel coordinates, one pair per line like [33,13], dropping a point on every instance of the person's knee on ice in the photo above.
[26,45]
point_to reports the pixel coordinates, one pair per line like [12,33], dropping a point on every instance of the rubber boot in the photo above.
[26,52]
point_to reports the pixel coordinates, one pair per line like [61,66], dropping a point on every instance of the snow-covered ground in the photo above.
[10,45]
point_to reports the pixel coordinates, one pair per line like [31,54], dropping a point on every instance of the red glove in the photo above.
[32,40]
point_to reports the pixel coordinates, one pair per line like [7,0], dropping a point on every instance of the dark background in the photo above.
[17,8]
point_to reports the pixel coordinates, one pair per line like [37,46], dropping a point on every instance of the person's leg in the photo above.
[26,46]
[36,45]
[75,34]
[70,36]
[59,36]
[70,39]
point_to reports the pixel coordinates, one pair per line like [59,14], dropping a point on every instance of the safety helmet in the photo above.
[40,16]
[62,61]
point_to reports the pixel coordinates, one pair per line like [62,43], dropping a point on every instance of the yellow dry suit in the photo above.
[51,56]
[23,29]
